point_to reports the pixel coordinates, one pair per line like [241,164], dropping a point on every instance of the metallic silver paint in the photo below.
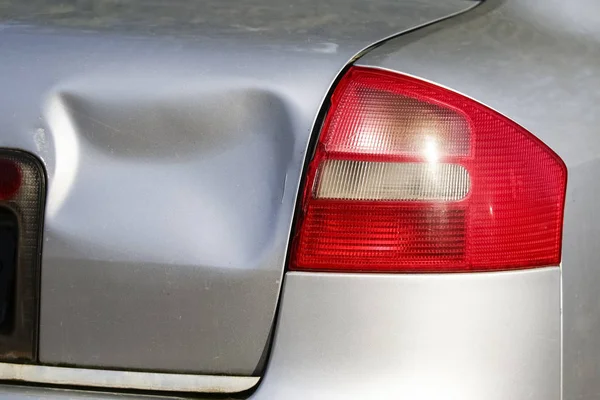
[538,63]
[490,336]
[431,337]
[173,158]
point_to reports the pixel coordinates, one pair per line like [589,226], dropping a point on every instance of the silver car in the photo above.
[311,199]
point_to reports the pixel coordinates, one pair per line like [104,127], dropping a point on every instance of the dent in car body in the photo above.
[174,138]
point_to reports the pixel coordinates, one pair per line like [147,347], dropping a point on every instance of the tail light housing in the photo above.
[22,193]
[408,176]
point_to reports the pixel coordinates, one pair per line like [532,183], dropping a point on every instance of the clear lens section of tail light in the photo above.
[408,176]
[367,180]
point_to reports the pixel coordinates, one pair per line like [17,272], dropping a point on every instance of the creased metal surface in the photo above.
[174,135]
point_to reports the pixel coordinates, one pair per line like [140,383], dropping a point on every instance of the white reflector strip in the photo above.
[365,180]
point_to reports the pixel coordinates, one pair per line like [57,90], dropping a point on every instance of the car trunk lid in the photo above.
[174,136]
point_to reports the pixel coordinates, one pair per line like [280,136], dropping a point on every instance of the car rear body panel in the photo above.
[174,135]
[464,336]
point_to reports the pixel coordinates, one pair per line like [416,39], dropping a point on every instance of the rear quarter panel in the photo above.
[537,62]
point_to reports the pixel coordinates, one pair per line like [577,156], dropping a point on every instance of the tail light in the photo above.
[22,187]
[408,176]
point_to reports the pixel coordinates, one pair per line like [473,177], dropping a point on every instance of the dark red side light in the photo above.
[10,178]
[408,176]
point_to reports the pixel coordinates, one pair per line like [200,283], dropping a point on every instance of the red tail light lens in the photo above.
[411,177]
